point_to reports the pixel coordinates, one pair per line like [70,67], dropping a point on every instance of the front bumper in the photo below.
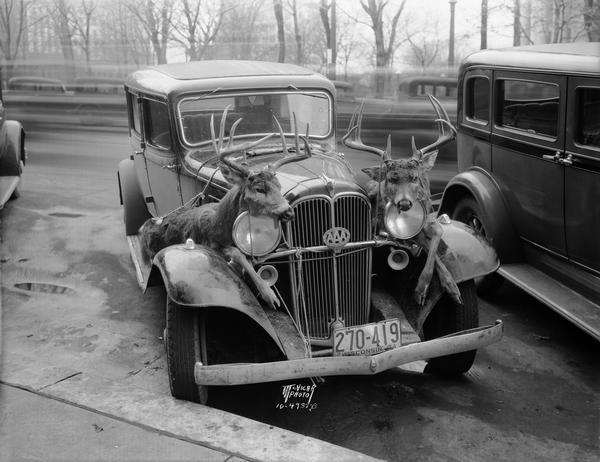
[243,374]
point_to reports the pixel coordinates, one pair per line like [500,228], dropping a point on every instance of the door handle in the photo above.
[554,158]
[171,166]
[566,161]
[137,153]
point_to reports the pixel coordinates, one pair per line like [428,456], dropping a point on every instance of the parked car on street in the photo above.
[34,84]
[12,156]
[529,157]
[284,273]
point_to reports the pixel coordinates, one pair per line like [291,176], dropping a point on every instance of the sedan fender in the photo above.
[200,277]
[12,151]
[465,252]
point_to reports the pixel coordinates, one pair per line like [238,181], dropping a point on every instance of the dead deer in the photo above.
[211,224]
[404,183]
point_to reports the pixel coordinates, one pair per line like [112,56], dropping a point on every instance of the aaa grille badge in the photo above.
[336,238]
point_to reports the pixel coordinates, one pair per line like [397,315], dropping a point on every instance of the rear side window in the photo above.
[587,131]
[477,104]
[157,115]
[529,106]
[134,113]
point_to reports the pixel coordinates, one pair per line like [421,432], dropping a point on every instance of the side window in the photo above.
[157,117]
[477,99]
[587,110]
[134,113]
[529,106]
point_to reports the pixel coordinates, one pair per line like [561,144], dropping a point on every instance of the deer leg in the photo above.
[433,230]
[447,280]
[264,289]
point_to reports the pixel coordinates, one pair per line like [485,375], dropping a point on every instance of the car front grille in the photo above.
[313,279]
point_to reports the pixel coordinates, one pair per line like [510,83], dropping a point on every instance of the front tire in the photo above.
[185,340]
[467,211]
[448,317]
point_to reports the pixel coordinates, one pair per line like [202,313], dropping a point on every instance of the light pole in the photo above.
[451,44]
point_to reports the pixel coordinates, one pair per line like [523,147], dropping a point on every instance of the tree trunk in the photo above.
[517,24]
[297,34]
[484,20]
[591,19]
[278,9]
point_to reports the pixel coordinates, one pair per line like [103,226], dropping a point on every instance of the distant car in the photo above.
[98,85]
[345,287]
[529,157]
[36,85]
[421,86]
[12,156]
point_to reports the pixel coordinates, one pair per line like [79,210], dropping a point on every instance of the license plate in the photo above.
[367,339]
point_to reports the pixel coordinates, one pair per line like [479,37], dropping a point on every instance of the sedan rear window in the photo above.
[588,116]
[529,106]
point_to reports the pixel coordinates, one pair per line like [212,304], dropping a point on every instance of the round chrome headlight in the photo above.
[404,225]
[257,235]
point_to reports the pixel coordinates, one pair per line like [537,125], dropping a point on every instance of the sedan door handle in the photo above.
[171,166]
[566,161]
[554,158]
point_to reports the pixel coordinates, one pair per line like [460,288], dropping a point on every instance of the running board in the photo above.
[568,303]
[142,269]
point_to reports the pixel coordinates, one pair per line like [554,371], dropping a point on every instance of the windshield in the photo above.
[312,109]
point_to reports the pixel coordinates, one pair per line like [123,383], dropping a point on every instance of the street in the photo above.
[71,302]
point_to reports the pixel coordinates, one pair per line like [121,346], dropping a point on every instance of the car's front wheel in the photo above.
[185,339]
[467,210]
[448,317]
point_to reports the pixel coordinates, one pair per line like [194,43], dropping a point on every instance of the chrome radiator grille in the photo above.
[314,281]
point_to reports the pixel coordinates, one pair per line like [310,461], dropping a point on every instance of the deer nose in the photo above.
[287,214]
[404,205]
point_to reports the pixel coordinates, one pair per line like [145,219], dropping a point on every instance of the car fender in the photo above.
[12,148]
[200,277]
[500,230]
[466,253]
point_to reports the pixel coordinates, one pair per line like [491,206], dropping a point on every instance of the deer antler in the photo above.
[355,128]
[231,148]
[287,159]
[444,136]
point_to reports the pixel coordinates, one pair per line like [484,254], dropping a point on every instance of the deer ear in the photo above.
[231,176]
[429,160]
[375,173]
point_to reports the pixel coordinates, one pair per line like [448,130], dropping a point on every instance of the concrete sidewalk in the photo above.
[34,427]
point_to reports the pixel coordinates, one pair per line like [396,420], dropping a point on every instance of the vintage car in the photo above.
[324,293]
[529,157]
[12,156]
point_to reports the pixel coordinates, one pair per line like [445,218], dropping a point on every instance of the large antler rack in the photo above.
[230,148]
[447,132]
[355,127]
[289,158]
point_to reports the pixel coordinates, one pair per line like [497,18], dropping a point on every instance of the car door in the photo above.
[161,162]
[528,154]
[582,172]
[138,145]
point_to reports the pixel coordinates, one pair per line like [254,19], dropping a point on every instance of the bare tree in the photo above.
[517,23]
[13,26]
[61,12]
[384,49]
[196,25]
[82,22]
[238,42]
[327,11]
[424,52]
[278,10]
[591,19]
[156,17]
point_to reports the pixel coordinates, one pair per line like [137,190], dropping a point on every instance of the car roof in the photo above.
[578,57]
[170,80]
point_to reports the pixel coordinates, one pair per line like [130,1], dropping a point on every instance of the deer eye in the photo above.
[261,190]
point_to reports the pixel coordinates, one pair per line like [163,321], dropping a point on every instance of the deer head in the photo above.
[401,182]
[261,190]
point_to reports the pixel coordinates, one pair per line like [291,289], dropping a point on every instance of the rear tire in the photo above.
[467,211]
[447,317]
[185,341]
[135,212]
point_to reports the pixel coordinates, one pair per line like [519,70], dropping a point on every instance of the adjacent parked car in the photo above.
[345,289]
[35,84]
[529,156]
[12,156]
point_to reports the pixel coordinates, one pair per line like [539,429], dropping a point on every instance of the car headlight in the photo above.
[404,225]
[257,235]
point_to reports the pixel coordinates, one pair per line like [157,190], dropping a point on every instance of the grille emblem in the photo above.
[336,238]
